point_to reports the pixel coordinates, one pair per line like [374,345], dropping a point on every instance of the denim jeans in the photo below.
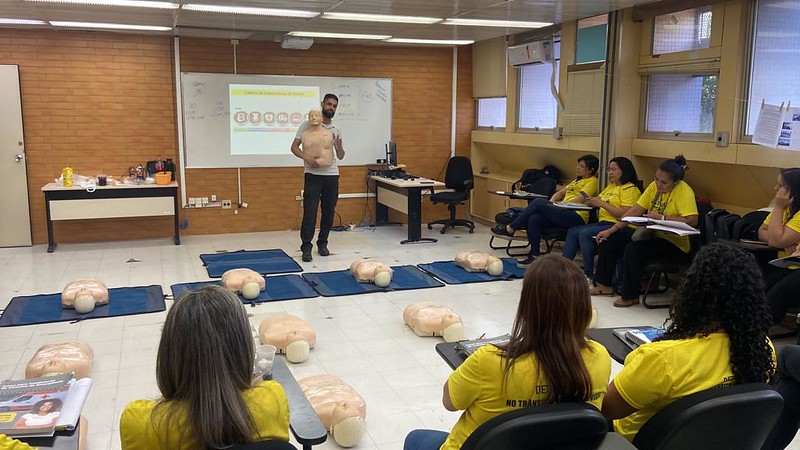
[541,214]
[424,440]
[583,237]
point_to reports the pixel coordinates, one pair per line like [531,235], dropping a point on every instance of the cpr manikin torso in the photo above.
[317,140]
[371,271]
[291,335]
[430,319]
[83,295]
[338,406]
[473,261]
[244,281]
[61,357]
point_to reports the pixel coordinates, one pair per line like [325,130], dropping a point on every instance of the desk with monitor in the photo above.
[404,195]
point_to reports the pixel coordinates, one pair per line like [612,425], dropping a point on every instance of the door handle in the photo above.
[18,157]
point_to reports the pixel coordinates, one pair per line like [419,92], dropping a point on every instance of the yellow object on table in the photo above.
[66,175]
[6,443]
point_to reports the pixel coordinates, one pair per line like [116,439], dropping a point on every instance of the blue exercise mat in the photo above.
[279,287]
[264,262]
[46,308]
[342,282]
[450,273]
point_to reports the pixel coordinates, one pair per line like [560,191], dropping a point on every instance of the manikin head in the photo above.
[84,302]
[383,277]
[315,117]
[329,104]
[250,288]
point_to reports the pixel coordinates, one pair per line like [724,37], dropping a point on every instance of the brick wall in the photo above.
[101,102]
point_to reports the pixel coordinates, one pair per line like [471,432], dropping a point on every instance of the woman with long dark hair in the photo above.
[541,213]
[204,371]
[783,285]
[547,360]
[668,197]
[716,336]
[624,188]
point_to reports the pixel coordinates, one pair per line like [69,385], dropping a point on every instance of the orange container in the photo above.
[163,178]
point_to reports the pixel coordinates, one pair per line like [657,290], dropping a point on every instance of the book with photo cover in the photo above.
[469,347]
[40,406]
[634,337]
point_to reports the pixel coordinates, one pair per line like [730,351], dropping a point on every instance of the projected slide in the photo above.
[264,118]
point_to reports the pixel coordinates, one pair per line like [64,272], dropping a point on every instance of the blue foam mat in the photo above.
[450,273]
[46,308]
[279,287]
[264,262]
[341,282]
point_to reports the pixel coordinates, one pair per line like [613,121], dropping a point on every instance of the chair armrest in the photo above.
[469,184]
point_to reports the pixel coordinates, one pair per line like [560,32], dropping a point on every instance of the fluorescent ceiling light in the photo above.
[249,10]
[127,3]
[314,34]
[379,18]
[110,26]
[8,21]
[495,23]
[429,41]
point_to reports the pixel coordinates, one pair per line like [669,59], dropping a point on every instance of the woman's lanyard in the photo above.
[657,206]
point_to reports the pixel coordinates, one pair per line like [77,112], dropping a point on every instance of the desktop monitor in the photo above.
[391,153]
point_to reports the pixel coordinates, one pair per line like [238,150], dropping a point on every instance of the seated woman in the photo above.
[624,188]
[717,336]
[540,213]
[547,360]
[783,284]
[204,371]
[667,198]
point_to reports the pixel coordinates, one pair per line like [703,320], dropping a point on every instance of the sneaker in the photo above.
[307,255]
[323,251]
[524,263]
[502,230]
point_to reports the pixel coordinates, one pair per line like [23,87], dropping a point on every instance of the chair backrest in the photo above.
[459,174]
[710,225]
[696,241]
[736,417]
[272,444]
[562,426]
[543,186]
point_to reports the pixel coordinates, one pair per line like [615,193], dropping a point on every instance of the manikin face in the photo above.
[664,181]
[314,117]
[614,173]
[329,108]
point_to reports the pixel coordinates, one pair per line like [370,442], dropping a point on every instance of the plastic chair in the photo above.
[458,177]
[737,417]
[560,426]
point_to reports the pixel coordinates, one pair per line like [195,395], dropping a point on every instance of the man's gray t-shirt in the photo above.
[333,169]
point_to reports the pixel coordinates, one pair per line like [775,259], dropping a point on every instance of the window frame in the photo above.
[536,130]
[666,135]
[711,38]
[477,115]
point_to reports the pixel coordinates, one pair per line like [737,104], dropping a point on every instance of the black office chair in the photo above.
[545,186]
[560,426]
[457,177]
[737,417]
[272,444]
[659,269]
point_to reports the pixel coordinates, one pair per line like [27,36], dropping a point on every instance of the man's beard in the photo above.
[328,113]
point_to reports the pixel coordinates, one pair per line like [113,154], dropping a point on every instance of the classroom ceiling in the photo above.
[183,22]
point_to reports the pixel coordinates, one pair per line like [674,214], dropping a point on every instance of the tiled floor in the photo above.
[360,338]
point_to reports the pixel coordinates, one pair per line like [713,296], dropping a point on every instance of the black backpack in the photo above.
[531,176]
[725,226]
[710,225]
[508,216]
[747,227]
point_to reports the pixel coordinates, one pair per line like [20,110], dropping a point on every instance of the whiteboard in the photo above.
[364,117]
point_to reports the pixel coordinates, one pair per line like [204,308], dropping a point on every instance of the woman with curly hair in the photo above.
[717,336]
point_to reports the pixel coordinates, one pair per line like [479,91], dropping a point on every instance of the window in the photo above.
[680,103]
[773,74]
[590,45]
[682,31]
[492,112]
[537,106]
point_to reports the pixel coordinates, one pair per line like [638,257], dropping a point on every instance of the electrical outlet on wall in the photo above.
[205,201]
[226,204]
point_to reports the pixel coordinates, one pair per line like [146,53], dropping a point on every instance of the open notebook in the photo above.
[670,226]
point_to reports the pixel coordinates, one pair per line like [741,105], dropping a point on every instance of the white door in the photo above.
[15,228]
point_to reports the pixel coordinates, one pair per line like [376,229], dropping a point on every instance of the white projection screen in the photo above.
[250,120]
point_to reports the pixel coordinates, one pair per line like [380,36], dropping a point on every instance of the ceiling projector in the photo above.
[296,43]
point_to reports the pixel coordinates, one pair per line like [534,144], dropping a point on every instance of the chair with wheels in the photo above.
[458,177]
[560,426]
[739,416]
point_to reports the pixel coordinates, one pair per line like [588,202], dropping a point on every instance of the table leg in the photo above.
[177,219]
[415,217]
[51,243]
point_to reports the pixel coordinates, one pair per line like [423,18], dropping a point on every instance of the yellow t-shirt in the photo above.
[661,372]
[677,202]
[476,386]
[7,443]
[790,221]
[267,404]
[624,195]
[573,192]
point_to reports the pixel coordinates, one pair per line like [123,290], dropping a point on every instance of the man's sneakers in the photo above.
[323,250]
[524,263]
[307,255]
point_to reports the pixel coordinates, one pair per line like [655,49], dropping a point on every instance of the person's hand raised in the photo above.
[783,198]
